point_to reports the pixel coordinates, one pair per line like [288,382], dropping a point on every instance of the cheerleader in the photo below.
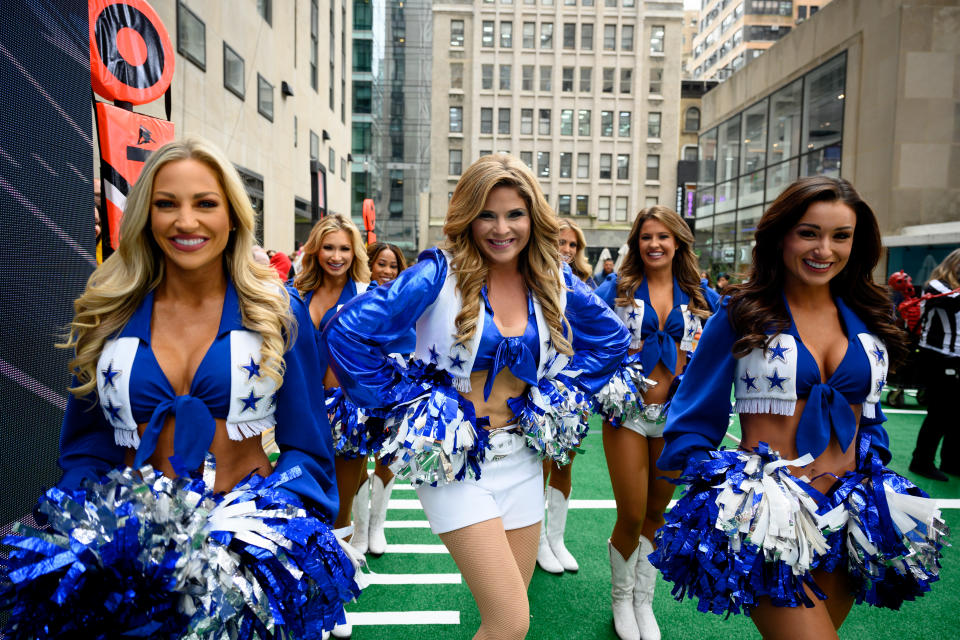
[509,348]
[803,519]
[658,296]
[185,351]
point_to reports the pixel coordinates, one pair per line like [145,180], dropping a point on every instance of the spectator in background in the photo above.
[722,281]
[281,262]
[386,261]
[607,270]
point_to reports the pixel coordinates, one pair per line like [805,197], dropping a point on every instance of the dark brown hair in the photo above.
[756,306]
[377,248]
[684,266]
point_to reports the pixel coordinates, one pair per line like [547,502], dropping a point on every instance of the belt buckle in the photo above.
[653,413]
[501,440]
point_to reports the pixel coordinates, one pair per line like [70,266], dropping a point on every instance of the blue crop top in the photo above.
[518,353]
[770,380]
[658,345]
[88,446]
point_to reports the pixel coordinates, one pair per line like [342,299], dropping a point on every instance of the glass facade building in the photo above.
[747,160]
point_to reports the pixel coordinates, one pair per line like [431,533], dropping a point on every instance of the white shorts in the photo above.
[509,488]
[646,428]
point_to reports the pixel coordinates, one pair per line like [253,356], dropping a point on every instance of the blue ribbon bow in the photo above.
[193,432]
[659,347]
[513,354]
[826,410]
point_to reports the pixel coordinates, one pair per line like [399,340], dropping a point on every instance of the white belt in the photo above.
[504,442]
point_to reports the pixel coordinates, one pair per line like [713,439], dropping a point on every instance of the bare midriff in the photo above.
[662,376]
[780,432]
[505,386]
[235,458]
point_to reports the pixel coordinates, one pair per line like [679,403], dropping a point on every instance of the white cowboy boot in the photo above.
[545,558]
[557,508]
[344,630]
[622,579]
[361,519]
[378,514]
[643,593]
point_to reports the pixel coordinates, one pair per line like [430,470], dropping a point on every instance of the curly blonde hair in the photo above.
[118,286]
[539,260]
[948,271]
[579,264]
[685,267]
[311,273]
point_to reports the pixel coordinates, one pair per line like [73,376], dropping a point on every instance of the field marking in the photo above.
[914,412]
[363,618]
[416,548]
[404,487]
[404,504]
[732,437]
[414,578]
[406,524]
[593,504]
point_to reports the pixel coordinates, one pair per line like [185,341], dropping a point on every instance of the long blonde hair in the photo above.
[119,285]
[539,260]
[579,264]
[948,271]
[685,267]
[311,273]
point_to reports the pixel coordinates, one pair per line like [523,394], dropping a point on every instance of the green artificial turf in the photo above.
[578,605]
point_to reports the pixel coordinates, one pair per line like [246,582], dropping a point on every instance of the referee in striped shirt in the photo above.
[940,364]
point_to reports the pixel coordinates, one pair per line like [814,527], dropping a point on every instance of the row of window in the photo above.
[565,168]
[568,3]
[567,78]
[583,120]
[488,35]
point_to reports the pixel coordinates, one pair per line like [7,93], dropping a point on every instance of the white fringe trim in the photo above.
[250,428]
[635,342]
[126,437]
[869,410]
[776,406]
[462,384]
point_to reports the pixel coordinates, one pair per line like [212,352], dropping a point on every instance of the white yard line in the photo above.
[403,617]
[593,504]
[406,524]
[414,578]
[912,412]
[416,548]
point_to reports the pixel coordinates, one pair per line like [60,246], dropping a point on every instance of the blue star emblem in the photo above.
[778,352]
[113,410]
[633,314]
[749,381]
[250,402]
[878,352]
[692,330]
[776,381]
[252,369]
[109,374]
[457,362]
[549,343]
[434,355]
[880,384]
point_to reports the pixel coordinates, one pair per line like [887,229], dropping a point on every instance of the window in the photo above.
[526,157]
[762,32]
[546,74]
[543,164]
[653,124]
[823,99]
[362,96]
[753,132]
[569,3]
[603,208]
[566,122]
[529,35]
[456,75]
[233,71]
[486,76]
[506,71]
[456,119]
[566,79]
[691,119]
[546,35]
[624,129]
[785,123]
[689,153]
[586,36]
[569,35]
[456,33]
[626,37]
[265,9]
[314,146]
[526,122]
[656,81]
[563,205]
[343,169]
[566,164]
[191,36]
[609,3]
[623,166]
[656,38]
[544,125]
[455,164]
[506,35]
[608,75]
[486,33]
[728,148]
[362,55]
[526,77]
[363,15]
[583,119]
[626,80]
[264,98]
[653,167]
[486,120]
[770,7]
[586,77]
[503,121]
[606,161]
[606,124]
[362,138]
[582,205]
[609,37]
[315,43]
[583,165]
[620,214]
[331,160]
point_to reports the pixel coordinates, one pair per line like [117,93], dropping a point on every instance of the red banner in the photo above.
[369,220]
[126,141]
